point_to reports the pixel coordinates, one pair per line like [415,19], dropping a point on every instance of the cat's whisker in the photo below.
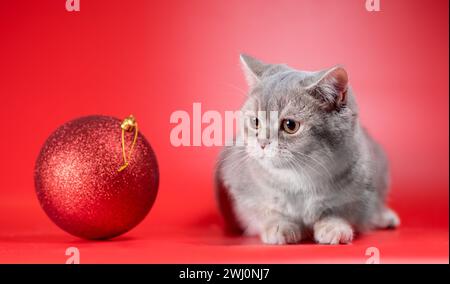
[318,163]
[304,163]
[241,91]
[241,159]
[294,167]
[323,167]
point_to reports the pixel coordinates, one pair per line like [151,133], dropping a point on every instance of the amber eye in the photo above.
[290,126]
[254,122]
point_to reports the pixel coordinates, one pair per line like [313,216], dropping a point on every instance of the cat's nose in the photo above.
[264,143]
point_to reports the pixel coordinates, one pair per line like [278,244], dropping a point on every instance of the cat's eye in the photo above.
[290,126]
[254,122]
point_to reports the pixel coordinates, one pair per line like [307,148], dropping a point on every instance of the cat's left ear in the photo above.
[253,69]
[331,88]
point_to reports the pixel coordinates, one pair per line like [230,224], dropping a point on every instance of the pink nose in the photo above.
[263,144]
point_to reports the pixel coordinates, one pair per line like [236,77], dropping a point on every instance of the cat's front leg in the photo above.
[280,230]
[333,230]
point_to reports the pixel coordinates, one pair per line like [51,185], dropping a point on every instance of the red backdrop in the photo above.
[151,58]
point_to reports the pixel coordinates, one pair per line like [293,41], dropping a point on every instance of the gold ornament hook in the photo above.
[128,124]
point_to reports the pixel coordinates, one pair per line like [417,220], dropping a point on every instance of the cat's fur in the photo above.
[328,180]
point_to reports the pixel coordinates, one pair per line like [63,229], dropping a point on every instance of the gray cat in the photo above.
[321,175]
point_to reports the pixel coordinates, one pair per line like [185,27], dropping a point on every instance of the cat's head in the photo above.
[292,116]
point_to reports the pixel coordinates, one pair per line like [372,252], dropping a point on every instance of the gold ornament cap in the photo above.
[128,124]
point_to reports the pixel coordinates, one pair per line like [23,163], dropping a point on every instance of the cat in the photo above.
[323,177]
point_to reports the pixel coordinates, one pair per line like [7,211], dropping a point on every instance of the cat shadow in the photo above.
[217,233]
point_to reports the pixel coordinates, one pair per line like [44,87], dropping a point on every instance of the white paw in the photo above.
[333,231]
[389,219]
[279,233]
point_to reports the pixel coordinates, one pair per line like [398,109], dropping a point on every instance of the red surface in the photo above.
[151,58]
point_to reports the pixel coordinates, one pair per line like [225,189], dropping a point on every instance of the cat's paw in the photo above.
[388,219]
[333,231]
[280,233]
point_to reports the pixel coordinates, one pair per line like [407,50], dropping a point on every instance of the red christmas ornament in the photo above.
[97,177]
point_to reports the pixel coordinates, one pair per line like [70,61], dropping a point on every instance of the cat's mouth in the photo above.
[263,156]
[266,160]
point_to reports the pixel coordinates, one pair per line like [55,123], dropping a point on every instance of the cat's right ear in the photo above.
[253,69]
[331,88]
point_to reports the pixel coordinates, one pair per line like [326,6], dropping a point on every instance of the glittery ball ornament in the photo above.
[97,177]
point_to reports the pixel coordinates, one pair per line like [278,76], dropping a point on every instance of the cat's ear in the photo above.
[253,69]
[331,87]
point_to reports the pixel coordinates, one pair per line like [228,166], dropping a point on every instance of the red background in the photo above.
[151,58]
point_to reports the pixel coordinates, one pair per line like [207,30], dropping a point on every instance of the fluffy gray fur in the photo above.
[328,180]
